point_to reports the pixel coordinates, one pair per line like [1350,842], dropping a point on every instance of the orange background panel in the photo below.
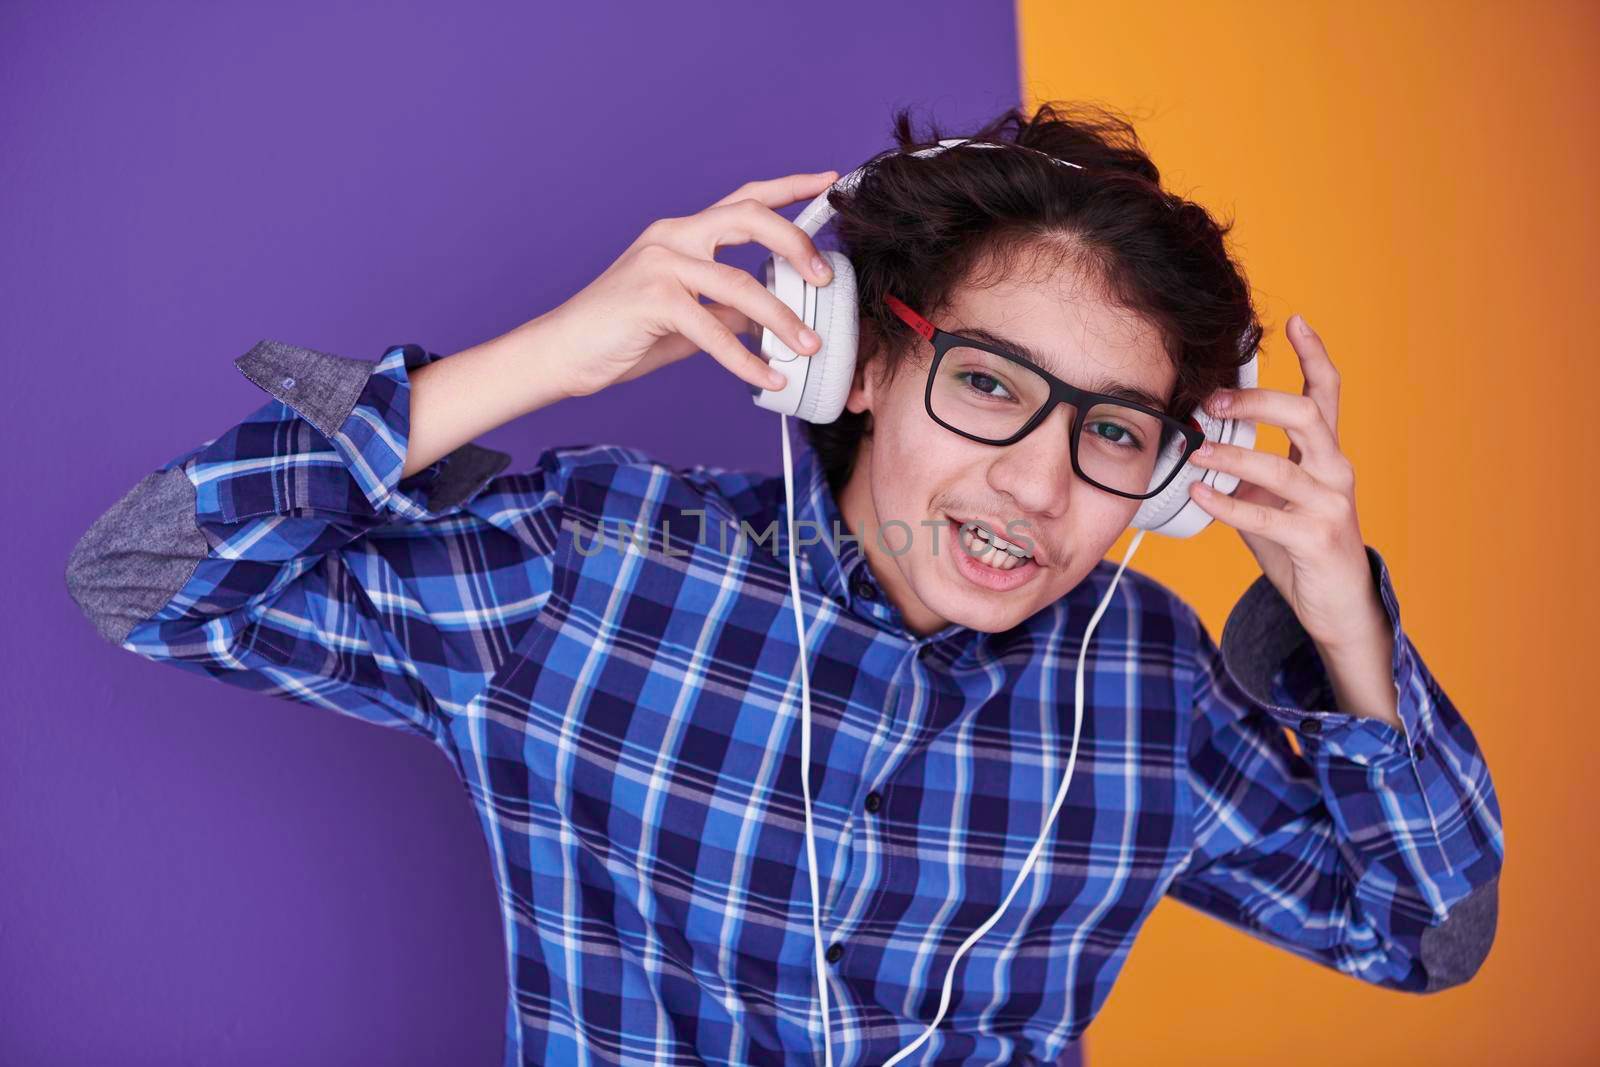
[1418,180]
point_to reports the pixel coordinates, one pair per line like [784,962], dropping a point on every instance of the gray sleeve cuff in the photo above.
[1261,636]
[324,388]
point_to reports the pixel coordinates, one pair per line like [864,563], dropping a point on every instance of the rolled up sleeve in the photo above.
[1375,849]
[249,558]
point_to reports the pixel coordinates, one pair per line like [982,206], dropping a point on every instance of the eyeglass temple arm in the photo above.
[909,317]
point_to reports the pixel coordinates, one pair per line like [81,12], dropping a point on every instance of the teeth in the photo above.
[996,541]
[981,545]
[984,552]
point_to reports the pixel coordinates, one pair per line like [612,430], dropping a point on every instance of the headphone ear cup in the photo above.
[832,367]
[1172,512]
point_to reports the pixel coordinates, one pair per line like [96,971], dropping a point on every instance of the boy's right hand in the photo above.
[644,312]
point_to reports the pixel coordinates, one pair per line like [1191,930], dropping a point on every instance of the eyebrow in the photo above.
[1108,386]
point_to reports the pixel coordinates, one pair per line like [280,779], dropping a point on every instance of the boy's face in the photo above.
[916,471]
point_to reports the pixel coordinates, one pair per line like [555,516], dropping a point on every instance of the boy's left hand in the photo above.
[1298,515]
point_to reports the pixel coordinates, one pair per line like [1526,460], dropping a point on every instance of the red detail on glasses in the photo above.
[911,318]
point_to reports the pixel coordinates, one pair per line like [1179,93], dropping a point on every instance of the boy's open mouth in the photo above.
[988,559]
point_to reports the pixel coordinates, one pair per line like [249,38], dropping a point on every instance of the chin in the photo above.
[986,612]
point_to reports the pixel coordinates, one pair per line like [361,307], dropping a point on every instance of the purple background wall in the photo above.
[195,874]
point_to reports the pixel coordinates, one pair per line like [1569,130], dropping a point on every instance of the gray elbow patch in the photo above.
[137,555]
[1453,951]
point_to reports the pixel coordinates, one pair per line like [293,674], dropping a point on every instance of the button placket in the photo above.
[854,886]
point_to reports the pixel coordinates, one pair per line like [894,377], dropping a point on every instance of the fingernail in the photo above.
[776,380]
[1220,402]
[820,268]
[809,338]
[1204,450]
[1305,328]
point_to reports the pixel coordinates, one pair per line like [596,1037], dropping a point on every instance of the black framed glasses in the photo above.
[985,393]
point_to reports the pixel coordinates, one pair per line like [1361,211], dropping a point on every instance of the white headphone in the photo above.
[816,390]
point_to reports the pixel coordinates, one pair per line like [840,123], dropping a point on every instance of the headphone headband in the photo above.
[819,211]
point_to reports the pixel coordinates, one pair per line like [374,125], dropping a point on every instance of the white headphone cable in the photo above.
[805,775]
[1061,795]
[805,741]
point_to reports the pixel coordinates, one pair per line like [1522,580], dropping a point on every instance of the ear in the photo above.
[860,398]
[862,392]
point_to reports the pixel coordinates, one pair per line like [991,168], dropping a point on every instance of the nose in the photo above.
[1036,471]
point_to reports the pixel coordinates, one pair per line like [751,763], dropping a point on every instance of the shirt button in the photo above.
[863,589]
[1310,726]
[874,802]
[288,383]
[834,952]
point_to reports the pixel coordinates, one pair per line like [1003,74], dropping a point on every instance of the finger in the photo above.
[1274,524]
[1299,415]
[673,347]
[748,220]
[1268,470]
[722,345]
[780,192]
[1321,376]
[734,319]
[739,289]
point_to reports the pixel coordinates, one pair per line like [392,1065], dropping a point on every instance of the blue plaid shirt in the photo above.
[604,649]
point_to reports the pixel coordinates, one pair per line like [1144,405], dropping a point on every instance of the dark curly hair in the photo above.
[921,226]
